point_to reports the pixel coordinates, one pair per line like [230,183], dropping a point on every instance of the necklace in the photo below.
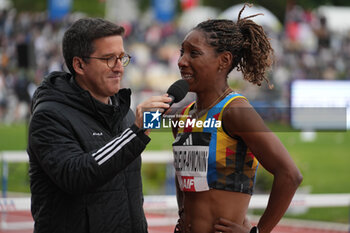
[198,114]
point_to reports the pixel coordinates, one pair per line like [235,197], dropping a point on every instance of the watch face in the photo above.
[254,230]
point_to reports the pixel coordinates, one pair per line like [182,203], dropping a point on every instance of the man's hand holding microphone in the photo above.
[176,92]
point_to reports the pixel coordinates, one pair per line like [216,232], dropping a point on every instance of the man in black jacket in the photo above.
[84,141]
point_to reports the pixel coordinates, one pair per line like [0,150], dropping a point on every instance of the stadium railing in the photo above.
[158,203]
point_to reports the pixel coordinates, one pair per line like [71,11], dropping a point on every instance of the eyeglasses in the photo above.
[113,60]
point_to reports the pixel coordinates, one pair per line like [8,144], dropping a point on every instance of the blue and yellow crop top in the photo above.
[206,157]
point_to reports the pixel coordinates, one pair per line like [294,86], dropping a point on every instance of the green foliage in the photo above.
[144,4]
[94,8]
[25,5]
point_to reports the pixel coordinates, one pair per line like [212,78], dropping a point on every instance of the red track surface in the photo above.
[25,216]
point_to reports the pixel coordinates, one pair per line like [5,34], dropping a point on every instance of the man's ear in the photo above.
[78,65]
[226,60]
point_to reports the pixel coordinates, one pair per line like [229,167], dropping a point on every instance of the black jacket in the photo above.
[85,168]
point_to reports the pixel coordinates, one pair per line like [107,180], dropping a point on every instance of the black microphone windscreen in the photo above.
[178,90]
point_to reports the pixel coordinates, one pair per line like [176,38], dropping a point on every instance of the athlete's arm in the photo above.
[240,119]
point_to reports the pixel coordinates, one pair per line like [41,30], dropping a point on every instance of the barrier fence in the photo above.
[156,203]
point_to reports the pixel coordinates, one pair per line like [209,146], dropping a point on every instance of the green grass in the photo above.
[13,137]
[18,180]
[329,214]
[160,141]
[324,164]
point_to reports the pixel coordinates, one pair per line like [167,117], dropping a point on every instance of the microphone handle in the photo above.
[170,103]
[172,100]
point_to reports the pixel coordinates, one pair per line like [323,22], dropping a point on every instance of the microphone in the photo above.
[177,91]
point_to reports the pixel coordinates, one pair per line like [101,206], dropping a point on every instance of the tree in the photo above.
[91,8]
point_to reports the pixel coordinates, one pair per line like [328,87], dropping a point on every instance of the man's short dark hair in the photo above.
[78,39]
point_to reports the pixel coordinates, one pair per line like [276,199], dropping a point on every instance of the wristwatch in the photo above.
[254,230]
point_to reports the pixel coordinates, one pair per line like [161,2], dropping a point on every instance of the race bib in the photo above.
[191,152]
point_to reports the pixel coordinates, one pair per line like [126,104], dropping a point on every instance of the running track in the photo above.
[284,227]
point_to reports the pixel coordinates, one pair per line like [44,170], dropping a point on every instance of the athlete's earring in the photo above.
[220,69]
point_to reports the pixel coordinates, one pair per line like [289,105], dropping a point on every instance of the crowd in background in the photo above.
[30,48]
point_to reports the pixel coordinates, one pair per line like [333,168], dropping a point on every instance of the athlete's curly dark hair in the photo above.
[247,42]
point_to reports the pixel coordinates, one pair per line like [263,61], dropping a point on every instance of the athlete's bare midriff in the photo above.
[203,209]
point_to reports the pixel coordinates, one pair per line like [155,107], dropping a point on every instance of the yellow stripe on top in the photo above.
[223,140]
[231,165]
[185,116]
[228,102]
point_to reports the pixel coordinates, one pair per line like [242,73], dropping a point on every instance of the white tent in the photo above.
[266,20]
[121,10]
[337,17]
[5,4]
[194,16]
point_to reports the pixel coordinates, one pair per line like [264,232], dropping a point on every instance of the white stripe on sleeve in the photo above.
[105,158]
[113,146]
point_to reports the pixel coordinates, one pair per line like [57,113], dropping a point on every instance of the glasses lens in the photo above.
[125,60]
[112,61]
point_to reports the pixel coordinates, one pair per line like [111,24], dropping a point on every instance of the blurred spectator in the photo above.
[306,50]
[3,95]
[21,93]
[323,34]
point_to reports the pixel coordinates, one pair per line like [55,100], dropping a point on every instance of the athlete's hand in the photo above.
[225,225]
[180,225]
